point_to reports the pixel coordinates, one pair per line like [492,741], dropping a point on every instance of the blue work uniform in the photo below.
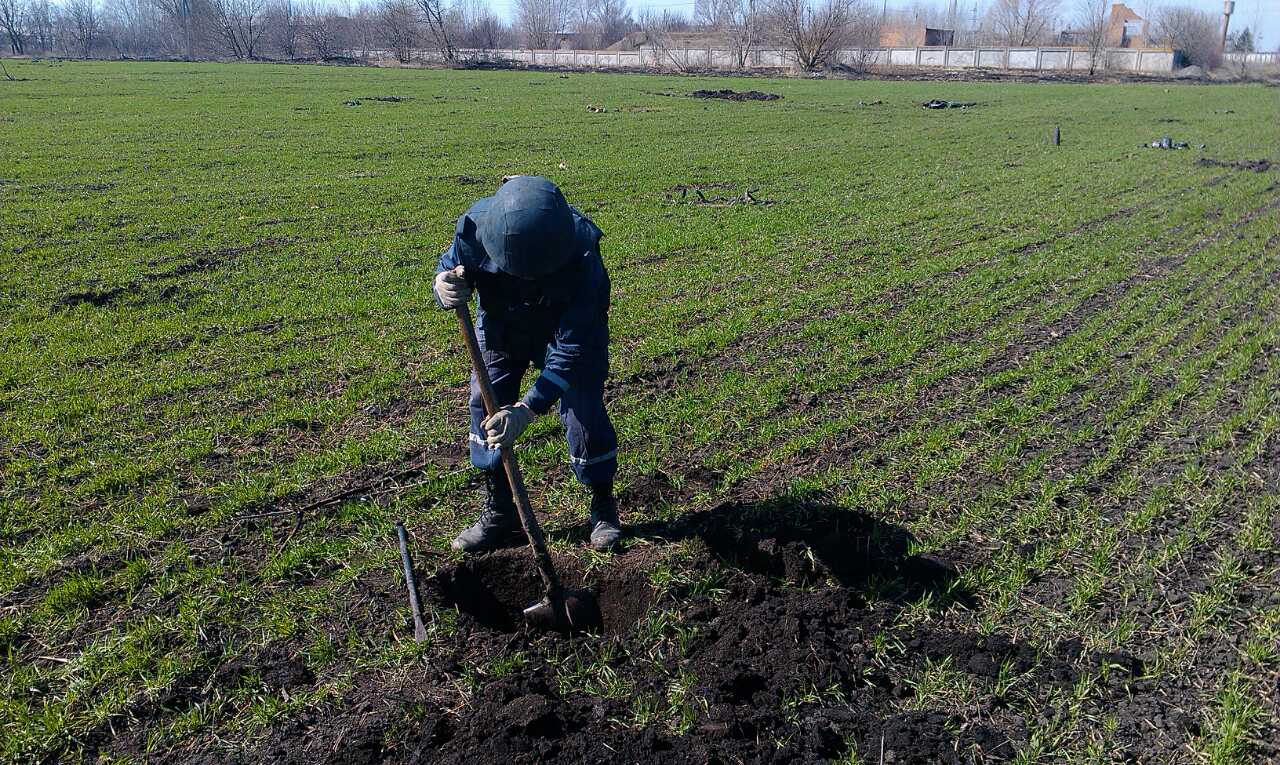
[557,323]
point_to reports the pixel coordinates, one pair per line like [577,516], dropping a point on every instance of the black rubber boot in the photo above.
[606,529]
[498,526]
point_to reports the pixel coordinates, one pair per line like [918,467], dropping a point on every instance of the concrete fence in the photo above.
[1152,61]
[1253,60]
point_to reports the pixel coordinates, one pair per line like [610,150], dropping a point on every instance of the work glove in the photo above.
[504,426]
[452,289]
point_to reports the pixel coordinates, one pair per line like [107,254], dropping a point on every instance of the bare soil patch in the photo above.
[735,95]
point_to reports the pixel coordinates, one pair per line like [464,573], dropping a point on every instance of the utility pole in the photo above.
[1228,7]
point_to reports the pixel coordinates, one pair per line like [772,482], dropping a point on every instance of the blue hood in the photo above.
[528,229]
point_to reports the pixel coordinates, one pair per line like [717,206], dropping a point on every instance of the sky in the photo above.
[1263,16]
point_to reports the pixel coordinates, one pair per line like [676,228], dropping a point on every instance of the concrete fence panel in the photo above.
[1055,59]
[1122,60]
[1024,58]
[932,57]
[902,57]
[991,59]
[962,58]
[1156,61]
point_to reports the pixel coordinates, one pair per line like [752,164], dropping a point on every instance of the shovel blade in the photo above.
[570,611]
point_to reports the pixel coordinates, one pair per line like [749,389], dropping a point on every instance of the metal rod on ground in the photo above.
[411,581]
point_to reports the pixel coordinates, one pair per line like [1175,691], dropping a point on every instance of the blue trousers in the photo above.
[593,444]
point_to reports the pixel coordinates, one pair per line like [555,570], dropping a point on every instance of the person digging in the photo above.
[534,263]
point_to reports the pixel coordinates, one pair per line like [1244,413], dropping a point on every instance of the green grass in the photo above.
[1058,363]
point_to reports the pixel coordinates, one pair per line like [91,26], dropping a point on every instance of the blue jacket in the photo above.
[558,321]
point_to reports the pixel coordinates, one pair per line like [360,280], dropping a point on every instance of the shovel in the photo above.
[561,609]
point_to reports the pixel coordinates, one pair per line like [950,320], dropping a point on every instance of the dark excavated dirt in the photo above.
[736,95]
[1252,165]
[793,617]
[784,659]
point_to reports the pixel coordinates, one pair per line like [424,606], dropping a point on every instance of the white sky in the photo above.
[1263,16]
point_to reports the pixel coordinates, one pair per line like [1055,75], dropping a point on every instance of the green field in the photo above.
[1056,368]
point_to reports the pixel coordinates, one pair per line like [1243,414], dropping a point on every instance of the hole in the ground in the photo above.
[494,589]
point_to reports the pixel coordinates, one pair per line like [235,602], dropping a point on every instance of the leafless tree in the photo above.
[358,30]
[12,19]
[435,17]
[1241,42]
[317,28]
[1023,22]
[81,23]
[132,27]
[181,13]
[814,29]
[239,25]
[39,27]
[476,26]
[657,28]
[1091,26]
[489,32]
[1191,31]
[737,21]
[863,36]
[603,22]
[539,21]
[398,25]
[285,23]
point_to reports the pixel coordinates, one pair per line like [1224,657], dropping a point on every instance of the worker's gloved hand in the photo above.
[504,426]
[452,289]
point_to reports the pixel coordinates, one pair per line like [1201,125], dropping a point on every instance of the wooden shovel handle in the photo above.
[537,542]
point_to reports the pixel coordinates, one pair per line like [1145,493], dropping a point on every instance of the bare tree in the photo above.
[657,28]
[539,21]
[1023,22]
[398,24]
[814,29]
[863,35]
[81,24]
[1193,32]
[239,25]
[131,27]
[12,16]
[738,23]
[435,17]
[284,19]
[39,18]
[476,26]
[1092,17]
[1241,42]
[317,28]
[488,32]
[182,14]
[361,29]
[604,22]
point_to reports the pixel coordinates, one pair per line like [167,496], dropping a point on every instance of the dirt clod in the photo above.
[1253,165]
[735,95]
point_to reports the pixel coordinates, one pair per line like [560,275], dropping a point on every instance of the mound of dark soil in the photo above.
[783,641]
[781,659]
[1253,165]
[734,95]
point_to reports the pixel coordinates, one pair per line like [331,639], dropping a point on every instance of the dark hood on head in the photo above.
[528,228]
